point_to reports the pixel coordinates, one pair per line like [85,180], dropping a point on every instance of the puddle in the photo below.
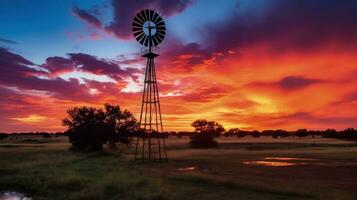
[279,161]
[273,163]
[186,169]
[13,196]
[288,158]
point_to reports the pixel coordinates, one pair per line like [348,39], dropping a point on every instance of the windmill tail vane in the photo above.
[149,30]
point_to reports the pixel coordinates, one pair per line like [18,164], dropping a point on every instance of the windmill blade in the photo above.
[152,13]
[142,41]
[155,17]
[159,19]
[156,42]
[135,33]
[142,13]
[161,28]
[141,35]
[162,23]
[160,32]
[160,38]
[146,43]
[138,20]
[147,15]
[138,33]
[136,24]
[141,16]
[135,28]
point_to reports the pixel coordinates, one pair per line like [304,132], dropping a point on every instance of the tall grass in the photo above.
[60,174]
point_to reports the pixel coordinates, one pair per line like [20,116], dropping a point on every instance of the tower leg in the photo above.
[150,143]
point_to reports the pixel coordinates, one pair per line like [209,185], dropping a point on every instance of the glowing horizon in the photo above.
[256,65]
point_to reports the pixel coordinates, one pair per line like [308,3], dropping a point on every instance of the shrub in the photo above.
[207,131]
[203,140]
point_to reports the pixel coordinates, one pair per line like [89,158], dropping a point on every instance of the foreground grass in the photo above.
[60,174]
[47,170]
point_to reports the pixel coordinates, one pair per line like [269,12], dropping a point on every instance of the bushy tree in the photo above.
[3,136]
[90,128]
[206,132]
[122,123]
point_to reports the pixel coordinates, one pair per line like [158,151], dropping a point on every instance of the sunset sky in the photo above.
[250,64]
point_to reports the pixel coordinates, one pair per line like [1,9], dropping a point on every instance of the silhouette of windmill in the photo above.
[149,30]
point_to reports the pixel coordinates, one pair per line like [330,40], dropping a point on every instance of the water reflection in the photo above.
[273,163]
[278,161]
[185,169]
[287,158]
[13,196]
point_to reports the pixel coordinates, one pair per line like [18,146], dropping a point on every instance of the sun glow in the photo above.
[265,104]
[34,118]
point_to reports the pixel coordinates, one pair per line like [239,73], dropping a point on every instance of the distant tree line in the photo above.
[42,134]
[90,128]
[349,133]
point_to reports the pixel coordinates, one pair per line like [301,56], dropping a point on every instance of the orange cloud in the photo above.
[250,89]
[33,118]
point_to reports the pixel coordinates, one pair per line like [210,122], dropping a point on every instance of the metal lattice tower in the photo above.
[149,30]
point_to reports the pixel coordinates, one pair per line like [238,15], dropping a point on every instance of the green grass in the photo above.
[225,186]
[61,174]
[54,172]
[272,146]
[34,141]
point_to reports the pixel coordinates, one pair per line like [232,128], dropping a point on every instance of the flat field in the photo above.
[241,168]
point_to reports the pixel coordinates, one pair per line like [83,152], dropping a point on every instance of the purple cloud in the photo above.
[88,63]
[86,16]
[289,83]
[125,11]
[295,82]
[20,73]
[283,25]
[6,41]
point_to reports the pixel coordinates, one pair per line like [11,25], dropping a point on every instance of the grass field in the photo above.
[241,168]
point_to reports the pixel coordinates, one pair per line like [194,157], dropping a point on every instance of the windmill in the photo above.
[149,30]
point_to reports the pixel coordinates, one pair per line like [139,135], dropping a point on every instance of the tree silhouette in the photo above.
[207,131]
[3,136]
[122,123]
[209,127]
[233,132]
[301,133]
[90,128]
[86,128]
